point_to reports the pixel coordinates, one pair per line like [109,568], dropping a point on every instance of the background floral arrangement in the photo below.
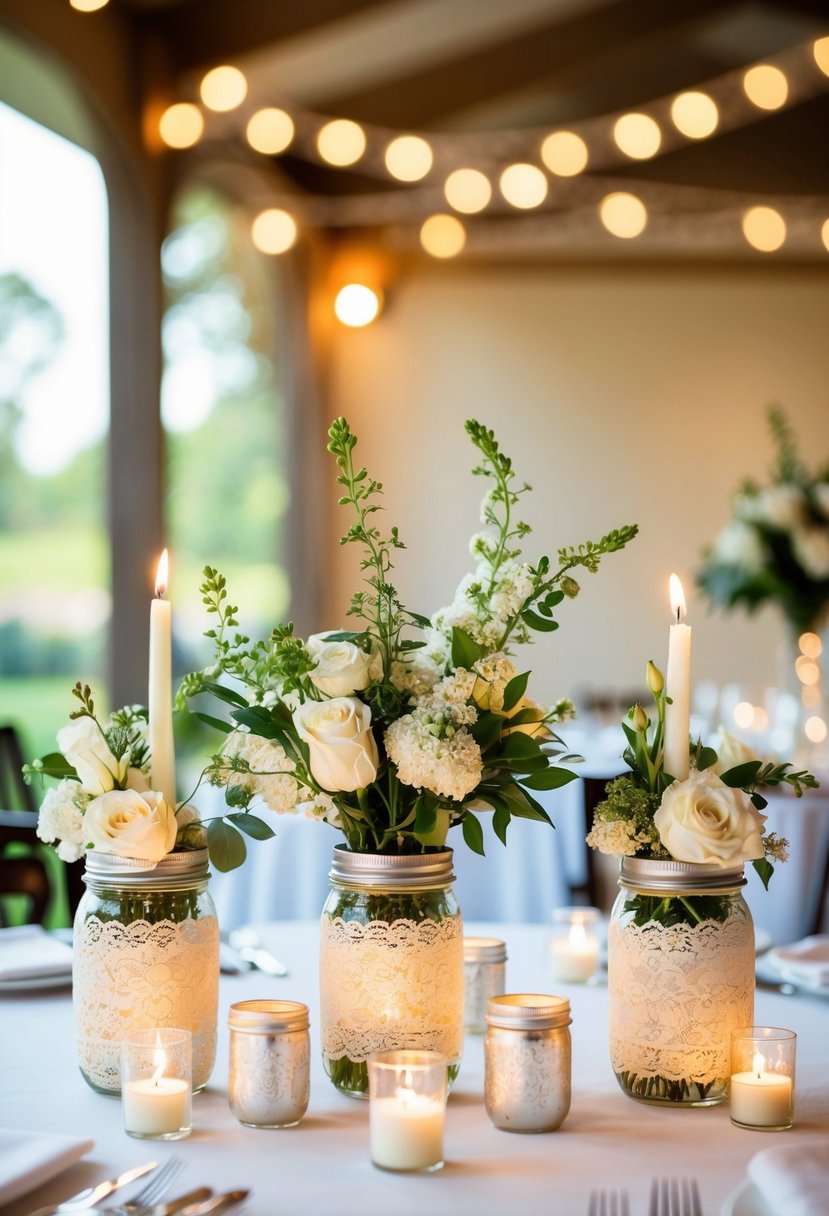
[776,546]
[388,737]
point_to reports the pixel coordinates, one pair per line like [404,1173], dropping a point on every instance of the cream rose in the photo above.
[342,668]
[730,752]
[704,820]
[83,744]
[130,824]
[343,751]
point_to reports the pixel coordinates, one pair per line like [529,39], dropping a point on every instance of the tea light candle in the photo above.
[762,1095]
[156,1106]
[156,1088]
[574,948]
[407,1092]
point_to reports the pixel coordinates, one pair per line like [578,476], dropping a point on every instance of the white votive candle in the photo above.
[156,1107]
[761,1098]
[406,1131]
[574,947]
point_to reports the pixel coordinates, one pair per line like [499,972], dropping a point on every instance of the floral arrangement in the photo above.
[405,726]
[103,799]
[776,546]
[713,817]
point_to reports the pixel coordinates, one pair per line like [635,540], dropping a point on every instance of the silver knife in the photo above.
[247,944]
[94,1194]
[217,1204]
[161,1209]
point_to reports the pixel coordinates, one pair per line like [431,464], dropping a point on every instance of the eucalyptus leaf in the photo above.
[742,774]
[553,779]
[765,869]
[540,623]
[226,846]
[705,758]
[252,826]
[473,833]
[500,823]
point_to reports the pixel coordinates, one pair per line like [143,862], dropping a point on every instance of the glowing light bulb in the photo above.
[443,236]
[270,131]
[820,50]
[356,305]
[564,153]
[824,234]
[810,645]
[766,86]
[274,231]
[223,88]
[637,135]
[744,714]
[181,125]
[695,114]
[814,729]
[523,186]
[88,6]
[408,158]
[467,190]
[341,142]
[764,228]
[623,215]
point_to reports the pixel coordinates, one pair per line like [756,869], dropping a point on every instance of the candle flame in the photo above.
[759,1063]
[677,598]
[162,574]
[159,1058]
[578,934]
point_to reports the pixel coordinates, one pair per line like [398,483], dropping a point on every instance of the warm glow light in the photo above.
[223,88]
[820,50]
[764,228]
[623,215]
[270,131]
[637,135]
[677,598]
[744,714]
[159,1055]
[409,158]
[695,114]
[761,718]
[162,575]
[810,696]
[815,729]
[808,671]
[443,236]
[274,231]
[824,234]
[810,645]
[356,305]
[467,190]
[523,186]
[181,125]
[766,86]
[564,153]
[341,142]
[92,6]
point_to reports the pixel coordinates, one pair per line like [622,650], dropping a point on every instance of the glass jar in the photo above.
[527,1066]
[146,954]
[680,979]
[391,962]
[485,970]
[270,1062]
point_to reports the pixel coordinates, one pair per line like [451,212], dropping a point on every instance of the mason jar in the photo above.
[146,954]
[269,1079]
[680,979]
[391,962]
[527,1061]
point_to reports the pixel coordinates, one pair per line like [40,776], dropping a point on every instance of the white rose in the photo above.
[781,506]
[85,748]
[130,824]
[342,668]
[535,726]
[811,548]
[730,752]
[739,544]
[343,751]
[704,820]
[821,493]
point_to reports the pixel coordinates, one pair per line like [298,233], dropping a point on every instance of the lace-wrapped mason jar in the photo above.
[680,979]
[146,954]
[391,962]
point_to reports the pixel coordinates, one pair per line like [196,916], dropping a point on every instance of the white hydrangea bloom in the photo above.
[617,837]
[416,676]
[61,819]
[450,767]
[514,586]
[270,770]
[811,548]
[739,544]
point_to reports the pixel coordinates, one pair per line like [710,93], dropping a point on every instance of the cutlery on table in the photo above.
[218,1203]
[156,1209]
[608,1203]
[249,945]
[87,1198]
[674,1197]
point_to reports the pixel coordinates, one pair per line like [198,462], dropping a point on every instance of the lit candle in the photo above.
[156,1106]
[678,688]
[162,753]
[760,1098]
[575,957]
[406,1130]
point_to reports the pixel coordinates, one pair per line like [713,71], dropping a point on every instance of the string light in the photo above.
[766,86]
[637,135]
[764,228]
[181,125]
[524,186]
[274,231]
[270,131]
[223,88]
[88,6]
[623,215]
[341,142]
[810,645]
[695,114]
[408,158]
[820,50]
[467,190]
[356,305]
[814,729]
[564,153]
[824,234]
[443,236]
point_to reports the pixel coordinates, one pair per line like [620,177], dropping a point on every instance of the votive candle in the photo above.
[407,1106]
[762,1077]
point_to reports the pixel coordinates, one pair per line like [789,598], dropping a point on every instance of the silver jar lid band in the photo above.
[484,950]
[528,1011]
[267,1017]
[175,871]
[645,873]
[392,871]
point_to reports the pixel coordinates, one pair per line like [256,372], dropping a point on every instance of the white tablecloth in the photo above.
[322,1167]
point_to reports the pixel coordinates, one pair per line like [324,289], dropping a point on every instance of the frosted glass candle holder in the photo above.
[762,1077]
[574,944]
[407,1107]
[156,1083]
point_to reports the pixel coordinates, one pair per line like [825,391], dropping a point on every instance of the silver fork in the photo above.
[150,1193]
[674,1197]
[608,1203]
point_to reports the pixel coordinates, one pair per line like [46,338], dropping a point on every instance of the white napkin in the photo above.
[29,951]
[807,960]
[28,1159]
[792,1178]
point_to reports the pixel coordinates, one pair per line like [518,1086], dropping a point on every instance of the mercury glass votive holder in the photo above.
[407,1108]
[485,969]
[762,1077]
[157,1083]
[270,1062]
[574,944]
